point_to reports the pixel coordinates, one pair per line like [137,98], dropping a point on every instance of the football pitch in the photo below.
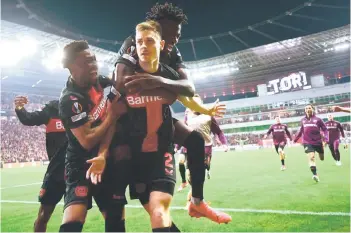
[248,185]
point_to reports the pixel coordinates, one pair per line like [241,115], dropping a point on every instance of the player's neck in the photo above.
[79,83]
[149,67]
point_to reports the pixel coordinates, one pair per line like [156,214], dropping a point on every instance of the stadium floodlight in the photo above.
[10,54]
[100,64]
[28,45]
[53,60]
[342,46]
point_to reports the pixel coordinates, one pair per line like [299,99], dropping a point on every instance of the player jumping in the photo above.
[334,130]
[278,131]
[312,139]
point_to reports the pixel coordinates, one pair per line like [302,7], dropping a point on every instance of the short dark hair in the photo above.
[310,105]
[197,95]
[167,11]
[71,49]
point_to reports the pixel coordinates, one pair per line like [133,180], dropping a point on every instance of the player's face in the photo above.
[148,45]
[309,110]
[85,67]
[277,119]
[330,117]
[171,32]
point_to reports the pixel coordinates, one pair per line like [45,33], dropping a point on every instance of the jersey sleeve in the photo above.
[341,130]
[324,129]
[179,63]
[269,131]
[73,111]
[287,132]
[127,53]
[300,133]
[34,118]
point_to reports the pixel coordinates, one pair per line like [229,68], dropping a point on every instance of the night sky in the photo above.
[116,19]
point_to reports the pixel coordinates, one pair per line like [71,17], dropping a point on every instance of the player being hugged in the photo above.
[312,140]
[334,131]
[278,131]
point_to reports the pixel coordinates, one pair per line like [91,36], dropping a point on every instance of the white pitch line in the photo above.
[21,185]
[222,209]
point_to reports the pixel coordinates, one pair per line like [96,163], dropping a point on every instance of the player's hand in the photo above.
[337,109]
[20,101]
[96,169]
[217,110]
[142,81]
[115,107]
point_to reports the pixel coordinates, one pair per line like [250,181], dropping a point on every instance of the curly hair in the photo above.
[167,11]
[71,49]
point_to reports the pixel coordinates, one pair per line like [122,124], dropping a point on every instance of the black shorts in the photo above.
[281,145]
[53,187]
[79,190]
[154,171]
[51,191]
[119,173]
[313,148]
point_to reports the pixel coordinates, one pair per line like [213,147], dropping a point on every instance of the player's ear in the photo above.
[162,43]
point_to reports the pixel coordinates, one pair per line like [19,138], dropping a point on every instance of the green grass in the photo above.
[240,180]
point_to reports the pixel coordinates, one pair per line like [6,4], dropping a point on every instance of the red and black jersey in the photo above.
[56,140]
[55,132]
[78,106]
[150,123]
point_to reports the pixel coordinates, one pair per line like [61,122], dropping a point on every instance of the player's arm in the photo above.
[324,129]
[180,68]
[341,109]
[341,129]
[288,133]
[299,134]
[30,118]
[216,130]
[217,110]
[78,121]
[268,132]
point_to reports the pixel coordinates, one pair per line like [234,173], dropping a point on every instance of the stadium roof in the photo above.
[215,27]
[322,52]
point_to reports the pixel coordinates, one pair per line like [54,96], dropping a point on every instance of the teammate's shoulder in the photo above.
[105,81]
[170,71]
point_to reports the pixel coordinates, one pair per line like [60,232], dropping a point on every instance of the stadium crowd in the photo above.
[17,142]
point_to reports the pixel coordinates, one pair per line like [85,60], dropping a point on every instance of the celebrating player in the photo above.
[53,187]
[278,131]
[171,19]
[312,140]
[206,125]
[82,109]
[334,130]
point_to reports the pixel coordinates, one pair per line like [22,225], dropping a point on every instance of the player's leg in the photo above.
[282,155]
[194,142]
[159,207]
[50,194]
[208,158]
[117,180]
[77,200]
[337,152]
[332,150]
[310,151]
[182,171]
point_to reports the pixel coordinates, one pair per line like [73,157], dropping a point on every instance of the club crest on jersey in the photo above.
[77,108]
